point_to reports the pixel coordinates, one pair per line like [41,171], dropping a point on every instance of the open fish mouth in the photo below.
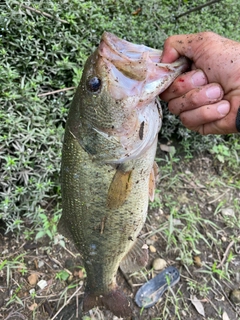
[135,69]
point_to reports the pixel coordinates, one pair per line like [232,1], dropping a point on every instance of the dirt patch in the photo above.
[193,224]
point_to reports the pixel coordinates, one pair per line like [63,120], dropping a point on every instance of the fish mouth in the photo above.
[135,69]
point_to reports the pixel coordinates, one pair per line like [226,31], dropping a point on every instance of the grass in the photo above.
[43,48]
[190,230]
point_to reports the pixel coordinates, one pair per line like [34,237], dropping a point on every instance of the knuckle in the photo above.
[175,106]
[194,97]
[185,120]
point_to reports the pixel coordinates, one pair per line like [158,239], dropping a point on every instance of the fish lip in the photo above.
[126,49]
[136,70]
[138,55]
[129,58]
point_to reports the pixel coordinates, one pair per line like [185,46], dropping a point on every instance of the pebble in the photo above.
[149,241]
[152,249]
[33,279]
[197,261]
[159,264]
[228,212]
[235,296]
[40,264]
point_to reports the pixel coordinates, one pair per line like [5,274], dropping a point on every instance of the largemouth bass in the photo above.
[108,169]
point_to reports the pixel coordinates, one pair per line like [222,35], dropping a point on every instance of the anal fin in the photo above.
[135,259]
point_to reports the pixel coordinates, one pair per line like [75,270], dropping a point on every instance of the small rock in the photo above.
[235,296]
[228,212]
[159,264]
[197,261]
[152,249]
[149,241]
[160,211]
[177,222]
[33,279]
[224,239]
[32,291]
[40,264]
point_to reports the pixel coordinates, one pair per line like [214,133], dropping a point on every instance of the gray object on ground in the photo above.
[151,291]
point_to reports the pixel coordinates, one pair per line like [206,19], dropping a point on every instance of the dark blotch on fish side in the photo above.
[141,130]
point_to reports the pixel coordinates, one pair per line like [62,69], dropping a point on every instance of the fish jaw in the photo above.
[135,72]
[133,77]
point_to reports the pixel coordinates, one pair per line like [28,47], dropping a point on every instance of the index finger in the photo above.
[181,45]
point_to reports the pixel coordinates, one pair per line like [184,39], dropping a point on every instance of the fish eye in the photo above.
[93,84]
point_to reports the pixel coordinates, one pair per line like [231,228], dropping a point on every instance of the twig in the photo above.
[67,302]
[44,13]
[197,8]
[18,314]
[226,254]
[219,197]
[70,252]
[56,91]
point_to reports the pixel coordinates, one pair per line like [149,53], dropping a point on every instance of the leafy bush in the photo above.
[43,47]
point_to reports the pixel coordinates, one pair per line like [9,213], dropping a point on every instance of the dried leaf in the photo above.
[33,307]
[225,316]
[198,305]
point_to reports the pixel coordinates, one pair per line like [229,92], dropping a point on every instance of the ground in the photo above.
[193,224]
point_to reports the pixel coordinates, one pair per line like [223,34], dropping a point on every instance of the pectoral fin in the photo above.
[153,180]
[119,189]
[135,259]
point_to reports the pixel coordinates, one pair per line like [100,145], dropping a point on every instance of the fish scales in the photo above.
[101,251]
[107,166]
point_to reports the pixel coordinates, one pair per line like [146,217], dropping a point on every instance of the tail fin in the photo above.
[115,301]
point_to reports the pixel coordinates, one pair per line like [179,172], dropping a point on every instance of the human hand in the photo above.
[206,98]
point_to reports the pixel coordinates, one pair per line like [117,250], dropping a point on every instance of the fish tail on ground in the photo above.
[115,301]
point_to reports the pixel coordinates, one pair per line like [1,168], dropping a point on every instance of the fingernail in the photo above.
[199,78]
[213,92]
[223,108]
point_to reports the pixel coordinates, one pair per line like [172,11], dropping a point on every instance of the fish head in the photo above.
[117,95]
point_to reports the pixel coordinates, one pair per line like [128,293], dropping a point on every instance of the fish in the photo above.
[108,172]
